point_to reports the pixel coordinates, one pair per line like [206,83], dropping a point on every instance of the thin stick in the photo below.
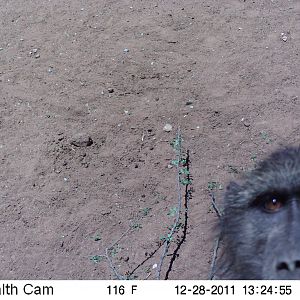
[213,202]
[120,277]
[107,256]
[179,202]
[214,258]
[217,241]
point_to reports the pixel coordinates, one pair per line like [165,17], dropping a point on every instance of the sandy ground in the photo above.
[86,88]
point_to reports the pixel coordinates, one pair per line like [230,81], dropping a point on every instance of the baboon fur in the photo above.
[257,243]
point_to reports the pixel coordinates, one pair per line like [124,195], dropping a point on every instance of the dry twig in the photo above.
[217,240]
[179,204]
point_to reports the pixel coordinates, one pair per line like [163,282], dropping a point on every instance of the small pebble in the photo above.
[284,37]
[126,50]
[82,140]
[110,90]
[167,128]
[246,122]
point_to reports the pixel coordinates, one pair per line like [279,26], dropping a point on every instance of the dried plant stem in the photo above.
[179,204]
[108,257]
[217,240]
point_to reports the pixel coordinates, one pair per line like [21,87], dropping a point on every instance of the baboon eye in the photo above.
[272,204]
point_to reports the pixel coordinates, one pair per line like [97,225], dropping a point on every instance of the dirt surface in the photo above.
[86,90]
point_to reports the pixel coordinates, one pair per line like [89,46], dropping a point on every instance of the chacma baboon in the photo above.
[260,226]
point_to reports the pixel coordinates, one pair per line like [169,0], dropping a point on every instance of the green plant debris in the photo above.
[175,162]
[96,238]
[184,171]
[176,144]
[185,181]
[264,135]
[115,250]
[214,185]
[146,211]
[253,157]
[167,238]
[172,212]
[96,258]
[137,226]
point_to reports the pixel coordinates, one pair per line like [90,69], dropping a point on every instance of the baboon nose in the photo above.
[288,265]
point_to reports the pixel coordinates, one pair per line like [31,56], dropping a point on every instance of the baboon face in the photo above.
[260,227]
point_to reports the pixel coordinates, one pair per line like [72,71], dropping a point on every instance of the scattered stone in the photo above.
[37,56]
[294,98]
[284,37]
[246,122]
[167,128]
[82,140]
[110,90]
[126,50]
[106,212]
[189,102]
